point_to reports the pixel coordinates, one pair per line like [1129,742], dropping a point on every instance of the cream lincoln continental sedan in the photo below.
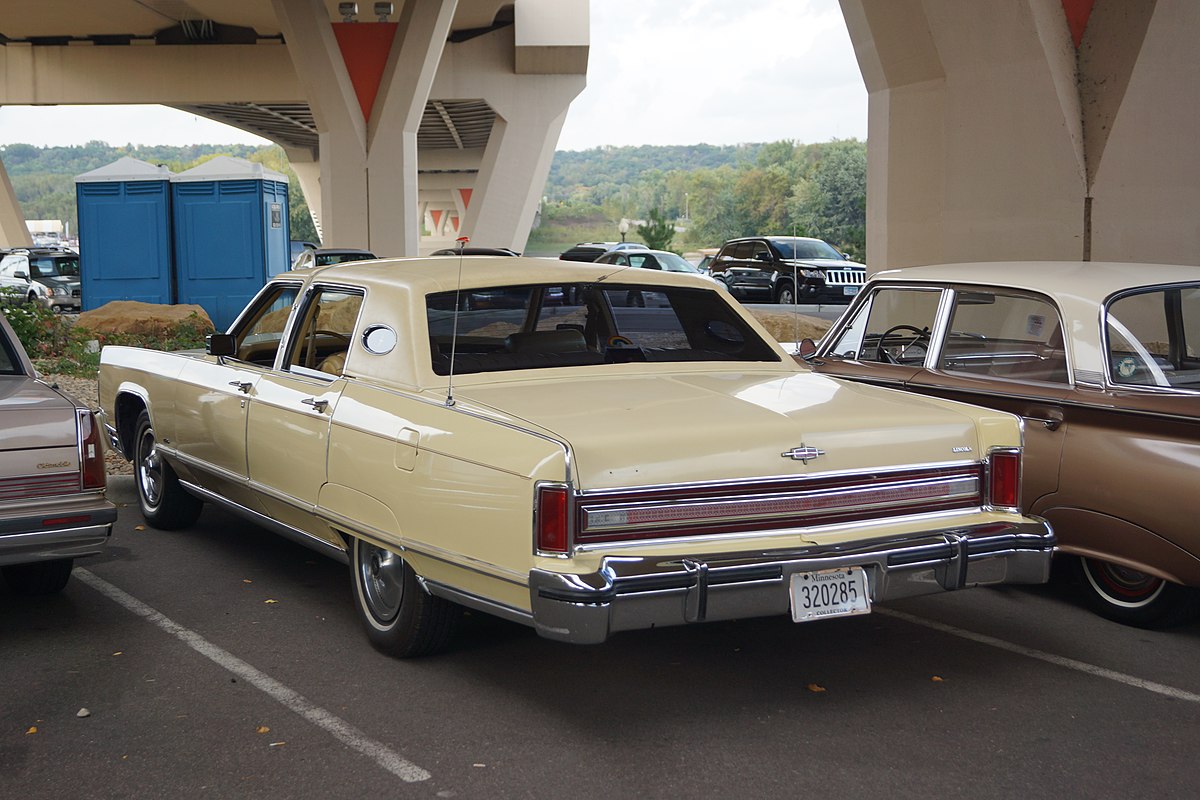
[582,448]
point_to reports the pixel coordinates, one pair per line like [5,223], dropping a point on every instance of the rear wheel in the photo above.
[165,504]
[1134,598]
[40,577]
[400,617]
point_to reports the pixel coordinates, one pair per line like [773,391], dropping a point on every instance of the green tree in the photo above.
[658,231]
[832,202]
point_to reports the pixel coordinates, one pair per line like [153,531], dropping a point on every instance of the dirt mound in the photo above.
[787,327]
[131,316]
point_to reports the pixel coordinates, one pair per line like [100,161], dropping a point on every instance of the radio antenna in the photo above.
[795,297]
[462,242]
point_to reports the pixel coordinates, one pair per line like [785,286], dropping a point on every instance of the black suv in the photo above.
[784,269]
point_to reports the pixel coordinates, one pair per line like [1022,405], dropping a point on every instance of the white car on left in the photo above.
[49,277]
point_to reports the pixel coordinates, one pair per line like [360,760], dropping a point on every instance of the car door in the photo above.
[213,396]
[1005,349]
[288,425]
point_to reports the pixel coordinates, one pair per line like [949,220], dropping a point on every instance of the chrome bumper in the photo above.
[631,593]
[72,528]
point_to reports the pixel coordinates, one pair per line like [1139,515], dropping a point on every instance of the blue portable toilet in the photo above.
[230,220]
[125,233]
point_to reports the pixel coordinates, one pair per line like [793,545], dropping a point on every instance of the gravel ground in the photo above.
[84,390]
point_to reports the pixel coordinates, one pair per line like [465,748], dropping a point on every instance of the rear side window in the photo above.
[568,325]
[1154,338]
[1010,336]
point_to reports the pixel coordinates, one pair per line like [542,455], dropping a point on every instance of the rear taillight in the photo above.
[90,451]
[1004,479]
[551,523]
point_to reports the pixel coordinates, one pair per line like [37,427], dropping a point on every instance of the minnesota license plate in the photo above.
[829,593]
[849,290]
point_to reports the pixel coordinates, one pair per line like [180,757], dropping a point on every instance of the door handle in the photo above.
[1051,422]
[318,405]
[242,386]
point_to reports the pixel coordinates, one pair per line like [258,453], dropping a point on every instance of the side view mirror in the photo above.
[807,349]
[846,256]
[220,344]
[22,275]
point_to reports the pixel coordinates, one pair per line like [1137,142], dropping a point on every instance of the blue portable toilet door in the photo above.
[220,246]
[125,241]
[276,227]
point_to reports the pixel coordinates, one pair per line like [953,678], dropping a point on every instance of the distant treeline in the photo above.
[716,192]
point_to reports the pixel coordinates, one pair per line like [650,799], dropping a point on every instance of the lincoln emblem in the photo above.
[803,453]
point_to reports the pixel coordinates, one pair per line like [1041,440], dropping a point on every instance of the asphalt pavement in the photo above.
[226,662]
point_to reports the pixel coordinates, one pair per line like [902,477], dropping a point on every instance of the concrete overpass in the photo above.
[446,111]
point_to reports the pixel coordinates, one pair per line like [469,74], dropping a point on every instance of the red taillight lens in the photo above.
[1005,484]
[91,451]
[552,519]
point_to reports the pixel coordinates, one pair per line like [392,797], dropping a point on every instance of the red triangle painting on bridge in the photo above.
[365,48]
[1078,12]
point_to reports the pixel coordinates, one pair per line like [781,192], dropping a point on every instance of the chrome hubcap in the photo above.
[150,469]
[381,575]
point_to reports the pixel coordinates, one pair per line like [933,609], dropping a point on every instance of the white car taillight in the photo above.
[552,519]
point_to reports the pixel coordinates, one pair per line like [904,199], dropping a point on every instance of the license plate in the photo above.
[849,291]
[829,593]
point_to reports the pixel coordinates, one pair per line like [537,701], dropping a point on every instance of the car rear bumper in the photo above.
[630,593]
[45,531]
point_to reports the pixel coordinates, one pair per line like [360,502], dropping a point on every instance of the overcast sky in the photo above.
[659,72]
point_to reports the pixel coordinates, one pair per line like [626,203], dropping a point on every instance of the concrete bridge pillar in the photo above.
[1042,129]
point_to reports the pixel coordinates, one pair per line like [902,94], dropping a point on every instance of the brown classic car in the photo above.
[1103,363]
[52,505]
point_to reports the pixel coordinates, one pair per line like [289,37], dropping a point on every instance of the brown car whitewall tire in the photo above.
[1134,598]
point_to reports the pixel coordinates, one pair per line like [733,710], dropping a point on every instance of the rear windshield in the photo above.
[534,327]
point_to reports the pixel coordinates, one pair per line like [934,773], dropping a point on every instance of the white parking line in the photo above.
[340,729]
[1050,658]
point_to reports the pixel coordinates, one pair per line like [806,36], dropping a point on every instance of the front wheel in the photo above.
[1134,598]
[40,577]
[165,504]
[400,617]
[786,296]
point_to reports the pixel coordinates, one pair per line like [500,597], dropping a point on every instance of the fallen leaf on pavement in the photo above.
[83,712]
[270,601]
[139,527]
[814,687]
[263,729]
[938,679]
[119,652]
[32,730]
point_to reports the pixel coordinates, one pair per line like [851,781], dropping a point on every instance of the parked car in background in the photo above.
[476,251]
[52,504]
[707,256]
[786,269]
[649,259]
[542,463]
[1103,363]
[49,276]
[298,246]
[590,251]
[327,256]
